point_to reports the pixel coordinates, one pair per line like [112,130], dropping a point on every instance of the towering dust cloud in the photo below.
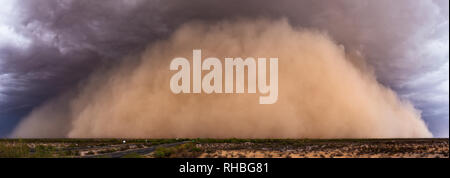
[322,94]
[212,82]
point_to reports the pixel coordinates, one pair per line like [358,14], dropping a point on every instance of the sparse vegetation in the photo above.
[233,147]
[184,150]
[15,151]
[133,155]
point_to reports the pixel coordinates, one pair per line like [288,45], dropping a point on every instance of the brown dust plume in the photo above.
[323,92]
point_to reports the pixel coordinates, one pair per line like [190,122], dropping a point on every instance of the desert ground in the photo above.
[224,148]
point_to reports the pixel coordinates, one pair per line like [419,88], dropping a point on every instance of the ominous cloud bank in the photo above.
[47,47]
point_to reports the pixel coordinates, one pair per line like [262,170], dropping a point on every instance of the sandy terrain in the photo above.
[381,149]
[228,148]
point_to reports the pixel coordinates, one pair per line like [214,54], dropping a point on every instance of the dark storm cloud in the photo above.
[406,42]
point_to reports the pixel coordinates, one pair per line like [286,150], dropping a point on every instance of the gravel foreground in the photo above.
[426,148]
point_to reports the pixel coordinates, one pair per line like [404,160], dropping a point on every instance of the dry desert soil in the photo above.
[225,148]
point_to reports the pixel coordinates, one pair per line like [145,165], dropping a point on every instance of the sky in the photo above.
[48,47]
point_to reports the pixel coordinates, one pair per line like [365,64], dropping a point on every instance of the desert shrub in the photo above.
[106,151]
[195,149]
[68,152]
[183,150]
[42,151]
[162,152]
[14,151]
[132,155]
